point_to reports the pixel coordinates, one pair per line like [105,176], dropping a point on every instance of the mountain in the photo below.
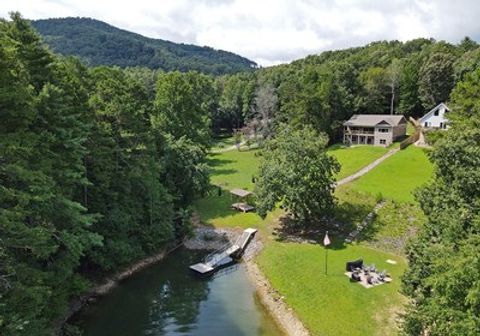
[99,43]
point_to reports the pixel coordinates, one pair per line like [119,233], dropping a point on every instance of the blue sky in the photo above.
[271,31]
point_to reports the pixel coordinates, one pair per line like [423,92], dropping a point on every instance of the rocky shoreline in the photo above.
[211,239]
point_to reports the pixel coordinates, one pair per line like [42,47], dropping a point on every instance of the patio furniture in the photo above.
[243,207]
[352,265]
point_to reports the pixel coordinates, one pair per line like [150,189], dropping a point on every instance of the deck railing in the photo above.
[359,132]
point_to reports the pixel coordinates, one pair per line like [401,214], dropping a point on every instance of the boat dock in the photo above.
[226,255]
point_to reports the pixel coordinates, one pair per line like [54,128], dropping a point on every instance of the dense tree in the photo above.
[436,79]
[183,106]
[467,63]
[393,73]
[444,268]
[375,98]
[467,44]
[409,100]
[235,99]
[296,172]
[90,180]
[44,229]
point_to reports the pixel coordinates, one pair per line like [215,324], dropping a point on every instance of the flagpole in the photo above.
[326,259]
[326,242]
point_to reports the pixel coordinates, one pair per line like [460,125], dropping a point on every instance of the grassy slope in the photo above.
[332,305]
[355,158]
[232,169]
[398,176]
[328,305]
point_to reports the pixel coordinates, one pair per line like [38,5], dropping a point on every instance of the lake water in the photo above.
[167,299]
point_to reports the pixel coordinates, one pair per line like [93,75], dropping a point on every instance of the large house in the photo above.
[435,118]
[374,129]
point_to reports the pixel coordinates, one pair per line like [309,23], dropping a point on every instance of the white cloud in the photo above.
[271,31]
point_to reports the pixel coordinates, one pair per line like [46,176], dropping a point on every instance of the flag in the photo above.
[326,240]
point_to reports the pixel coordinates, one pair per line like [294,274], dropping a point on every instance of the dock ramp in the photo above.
[225,255]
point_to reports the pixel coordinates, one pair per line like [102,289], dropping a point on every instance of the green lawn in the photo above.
[329,305]
[332,305]
[233,169]
[352,159]
[398,176]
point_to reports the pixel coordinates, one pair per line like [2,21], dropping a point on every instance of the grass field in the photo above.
[355,158]
[233,169]
[331,304]
[398,176]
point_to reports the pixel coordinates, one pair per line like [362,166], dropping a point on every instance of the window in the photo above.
[426,124]
[383,130]
[435,113]
[383,142]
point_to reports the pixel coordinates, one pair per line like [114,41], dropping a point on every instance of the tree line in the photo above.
[97,169]
[323,90]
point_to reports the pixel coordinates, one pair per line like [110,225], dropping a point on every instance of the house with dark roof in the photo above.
[436,118]
[374,129]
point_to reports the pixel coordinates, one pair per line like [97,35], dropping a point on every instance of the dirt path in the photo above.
[227,149]
[366,169]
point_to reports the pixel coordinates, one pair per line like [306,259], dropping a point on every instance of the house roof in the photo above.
[429,113]
[375,119]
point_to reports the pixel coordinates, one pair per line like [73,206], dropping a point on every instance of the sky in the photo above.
[271,31]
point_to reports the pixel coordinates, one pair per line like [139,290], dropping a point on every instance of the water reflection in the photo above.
[168,300]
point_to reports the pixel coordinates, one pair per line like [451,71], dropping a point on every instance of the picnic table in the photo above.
[243,207]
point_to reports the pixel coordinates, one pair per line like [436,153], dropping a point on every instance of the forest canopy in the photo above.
[89,181]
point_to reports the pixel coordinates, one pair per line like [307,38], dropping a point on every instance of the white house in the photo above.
[435,118]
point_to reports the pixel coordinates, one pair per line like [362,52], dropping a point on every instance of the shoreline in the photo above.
[109,283]
[204,238]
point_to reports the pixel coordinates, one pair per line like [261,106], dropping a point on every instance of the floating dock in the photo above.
[224,256]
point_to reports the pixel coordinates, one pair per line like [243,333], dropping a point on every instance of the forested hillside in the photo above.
[323,90]
[99,43]
[93,173]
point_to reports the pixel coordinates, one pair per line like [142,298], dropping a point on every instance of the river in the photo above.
[167,299]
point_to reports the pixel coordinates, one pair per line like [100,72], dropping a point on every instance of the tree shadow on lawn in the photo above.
[216,172]
[217,207]
[314,234]
[214,161]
